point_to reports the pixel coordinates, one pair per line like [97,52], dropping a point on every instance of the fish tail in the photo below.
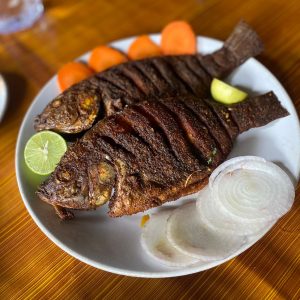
[243,42]
[257,111]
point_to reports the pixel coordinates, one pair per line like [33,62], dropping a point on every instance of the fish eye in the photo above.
[64,176]
[56,103]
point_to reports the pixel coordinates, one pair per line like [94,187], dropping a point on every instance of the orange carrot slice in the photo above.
[72,73]
[104,57]
[178,37]
[143,47]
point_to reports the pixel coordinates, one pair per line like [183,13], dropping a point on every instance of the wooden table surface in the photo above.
[31,265]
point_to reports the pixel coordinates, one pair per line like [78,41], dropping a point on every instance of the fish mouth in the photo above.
[75,202]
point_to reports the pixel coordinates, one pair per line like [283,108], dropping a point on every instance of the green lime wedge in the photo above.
[225,93]
[43,152]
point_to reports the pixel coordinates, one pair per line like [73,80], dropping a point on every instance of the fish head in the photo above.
[66,187]
[73,111]
[79,185]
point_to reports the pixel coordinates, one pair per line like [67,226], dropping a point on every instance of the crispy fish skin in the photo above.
[152,152]
[77,108]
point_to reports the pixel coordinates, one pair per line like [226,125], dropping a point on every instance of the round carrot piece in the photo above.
[178,37]
[104,57]
[143,47]
[72,73]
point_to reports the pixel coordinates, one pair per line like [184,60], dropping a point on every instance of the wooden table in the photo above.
[31,265]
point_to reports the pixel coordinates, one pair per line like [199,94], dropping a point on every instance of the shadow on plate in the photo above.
[287,171]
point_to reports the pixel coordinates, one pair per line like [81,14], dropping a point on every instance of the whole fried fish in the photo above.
[76,109]
[152,152]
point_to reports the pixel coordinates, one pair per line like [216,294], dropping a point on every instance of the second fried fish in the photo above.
[103,94]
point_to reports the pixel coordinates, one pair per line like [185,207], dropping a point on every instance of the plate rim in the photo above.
[120,271]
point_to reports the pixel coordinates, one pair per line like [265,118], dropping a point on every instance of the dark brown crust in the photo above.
[224,117]
[202,77]
[196,132]
[167,74]
[149,71]
[206,115]
[251,113]
[242,35]
[242,44]
[141,81]
[123,82]
[188,78]
[154,138]
[150,153]
[135,81]
[173,132]
[117,209]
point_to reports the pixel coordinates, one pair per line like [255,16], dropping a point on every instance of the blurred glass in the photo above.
[17,15]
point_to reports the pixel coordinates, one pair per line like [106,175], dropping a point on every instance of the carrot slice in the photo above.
[178,37]
[72,73]
[104,57]
[143,47]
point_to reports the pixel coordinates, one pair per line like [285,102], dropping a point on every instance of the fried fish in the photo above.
[152,152]
[105,93]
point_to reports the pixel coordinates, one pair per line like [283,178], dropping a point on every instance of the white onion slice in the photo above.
[218,218]
[228,163]
[187,232]
[252,190]
[156,244]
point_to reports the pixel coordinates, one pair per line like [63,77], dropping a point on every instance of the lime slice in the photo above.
[225,93]
[43,152]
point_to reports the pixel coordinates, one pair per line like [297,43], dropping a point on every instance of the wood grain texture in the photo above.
[31,266]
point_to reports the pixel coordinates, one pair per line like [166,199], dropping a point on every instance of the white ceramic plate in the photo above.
[114,244]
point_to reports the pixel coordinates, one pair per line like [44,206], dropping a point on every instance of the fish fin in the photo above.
[257,111]
[63,213]
[244,42]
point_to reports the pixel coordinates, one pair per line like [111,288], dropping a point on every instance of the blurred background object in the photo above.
[17,15]
[3,97]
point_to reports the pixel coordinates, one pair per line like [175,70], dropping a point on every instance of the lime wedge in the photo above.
[225,93]
[43,152]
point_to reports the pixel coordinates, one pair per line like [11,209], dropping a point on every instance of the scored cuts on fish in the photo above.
[160,134]
[105,93]
[152,152]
